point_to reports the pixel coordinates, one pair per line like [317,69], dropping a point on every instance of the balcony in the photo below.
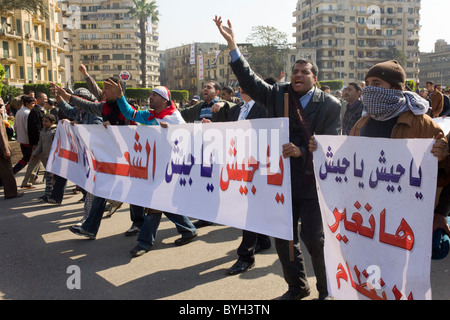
[40,64]
[8,60]
[12,34]
[37,19]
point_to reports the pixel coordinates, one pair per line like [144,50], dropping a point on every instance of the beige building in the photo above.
[181,66]
[435,66]
[33,46]
[107,40]
[351,36]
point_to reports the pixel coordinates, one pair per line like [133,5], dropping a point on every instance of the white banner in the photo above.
[377,199]
[444,123]
[229,173]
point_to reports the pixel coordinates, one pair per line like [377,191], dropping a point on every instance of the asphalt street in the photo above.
[42,260]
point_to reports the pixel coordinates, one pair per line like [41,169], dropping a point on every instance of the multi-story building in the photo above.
[107,40]
[189,67]
[33,46]
[351,36]
[435,66]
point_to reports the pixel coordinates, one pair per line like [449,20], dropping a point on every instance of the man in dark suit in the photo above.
[251,242]
[311,111]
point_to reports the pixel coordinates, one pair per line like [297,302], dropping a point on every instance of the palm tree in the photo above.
[143,10]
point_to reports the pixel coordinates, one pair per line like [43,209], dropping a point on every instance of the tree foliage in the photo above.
[392,53]
[268,52]
[32,6]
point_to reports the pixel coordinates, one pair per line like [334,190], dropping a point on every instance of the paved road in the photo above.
[37,250]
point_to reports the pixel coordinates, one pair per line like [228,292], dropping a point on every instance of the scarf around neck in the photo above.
[383,104]
[166,112]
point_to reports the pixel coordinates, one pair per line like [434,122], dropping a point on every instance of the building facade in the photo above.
[352,36]
[107,40]
[189,67]
[435,66]
[33,46]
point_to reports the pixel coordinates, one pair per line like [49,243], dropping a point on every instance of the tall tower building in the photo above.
[107,40]
[351,36]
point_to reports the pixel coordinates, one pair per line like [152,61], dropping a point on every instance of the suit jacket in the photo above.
[191,114]
[35,124]
[323,114]
[256,112]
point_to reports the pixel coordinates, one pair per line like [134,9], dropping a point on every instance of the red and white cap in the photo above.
[163,92]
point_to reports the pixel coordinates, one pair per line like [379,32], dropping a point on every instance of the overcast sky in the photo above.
[184,22]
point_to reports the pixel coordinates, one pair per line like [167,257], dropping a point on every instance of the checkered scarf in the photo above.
[384,104]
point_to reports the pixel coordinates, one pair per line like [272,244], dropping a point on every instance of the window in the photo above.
[5,49]
[7,71]
[19,26]
[27,27]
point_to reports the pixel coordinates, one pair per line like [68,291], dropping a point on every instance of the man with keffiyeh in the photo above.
[391,112]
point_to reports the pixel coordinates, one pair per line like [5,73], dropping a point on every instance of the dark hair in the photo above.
[430,82]
[50,117]
[216,84]
[38,95]
[356,86]
[51,102]
[228,89]
[314,67]
[324,87]
[27,99]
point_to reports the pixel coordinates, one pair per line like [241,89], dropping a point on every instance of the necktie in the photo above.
[245,112]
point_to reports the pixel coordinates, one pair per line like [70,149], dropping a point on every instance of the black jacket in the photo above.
[256,112]
[35,124]
[323,114]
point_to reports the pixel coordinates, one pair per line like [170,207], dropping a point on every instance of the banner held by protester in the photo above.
[228,173]
[377,198]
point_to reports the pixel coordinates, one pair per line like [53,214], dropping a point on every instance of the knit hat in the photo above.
[163,92]
[389,71]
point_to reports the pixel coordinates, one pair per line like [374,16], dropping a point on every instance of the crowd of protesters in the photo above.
[381,106]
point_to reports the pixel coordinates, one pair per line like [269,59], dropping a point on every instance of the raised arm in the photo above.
[94,108]
[92,85]
[256,87]
[125,108]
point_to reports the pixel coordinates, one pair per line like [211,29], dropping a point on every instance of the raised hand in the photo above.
[114,88]
[226,32]
[59,93]
[83,70]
